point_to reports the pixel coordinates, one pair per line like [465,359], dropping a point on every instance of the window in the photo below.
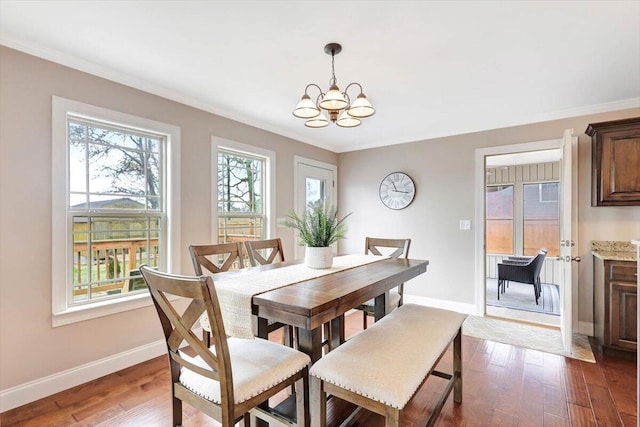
[240,197]
[499,219]
[120,205]
[243,205]
[541,218]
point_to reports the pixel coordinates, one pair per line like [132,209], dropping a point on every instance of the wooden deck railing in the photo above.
[111,261]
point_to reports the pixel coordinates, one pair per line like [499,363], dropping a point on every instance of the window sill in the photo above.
[100,309]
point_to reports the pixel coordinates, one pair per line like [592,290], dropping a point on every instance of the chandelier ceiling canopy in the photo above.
[341,110]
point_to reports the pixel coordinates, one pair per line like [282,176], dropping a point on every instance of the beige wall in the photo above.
[30,348]
[444,172]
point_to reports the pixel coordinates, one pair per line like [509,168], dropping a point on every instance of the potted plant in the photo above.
[318,228]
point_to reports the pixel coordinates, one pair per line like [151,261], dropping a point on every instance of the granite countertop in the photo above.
[613,250]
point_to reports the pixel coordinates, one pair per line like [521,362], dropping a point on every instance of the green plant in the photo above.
[319,226]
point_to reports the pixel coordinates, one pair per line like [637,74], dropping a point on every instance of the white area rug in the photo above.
[520,296]
[524,335]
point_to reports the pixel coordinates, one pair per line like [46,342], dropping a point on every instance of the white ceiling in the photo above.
[430,68]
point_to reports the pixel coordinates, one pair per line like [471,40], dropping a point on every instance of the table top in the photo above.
[310,303]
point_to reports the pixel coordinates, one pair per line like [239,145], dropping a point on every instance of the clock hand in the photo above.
[394,186]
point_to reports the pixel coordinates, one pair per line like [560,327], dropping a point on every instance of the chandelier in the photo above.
[338,104]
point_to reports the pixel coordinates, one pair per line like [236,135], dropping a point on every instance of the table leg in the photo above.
[310,342]
[381,308]
[336,333]
[263,325]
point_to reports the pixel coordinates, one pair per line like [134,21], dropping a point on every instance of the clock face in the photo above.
[397,190]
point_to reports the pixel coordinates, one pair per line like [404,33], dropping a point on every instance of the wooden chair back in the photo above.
[263,252]
[374,245]
[216,258]
[394,248]
[201,296]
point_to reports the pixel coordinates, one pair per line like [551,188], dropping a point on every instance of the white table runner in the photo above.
[235,293]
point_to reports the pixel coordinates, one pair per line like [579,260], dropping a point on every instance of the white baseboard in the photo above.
[46,386]
[585,328]
[439,303]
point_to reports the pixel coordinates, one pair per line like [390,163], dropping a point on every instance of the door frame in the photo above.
[298,160]
[480,256]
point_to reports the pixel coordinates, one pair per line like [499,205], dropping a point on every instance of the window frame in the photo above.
[221,144]
[63,312]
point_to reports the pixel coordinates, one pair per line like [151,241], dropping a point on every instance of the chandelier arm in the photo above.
[346,96]
[313,85]
[351,84]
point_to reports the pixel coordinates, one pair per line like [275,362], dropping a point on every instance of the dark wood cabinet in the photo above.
[615,304]
[615,162]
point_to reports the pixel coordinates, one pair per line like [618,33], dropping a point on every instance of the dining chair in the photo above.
[263,252]
[394,248]
[214,258]
[230,379]
[523,270]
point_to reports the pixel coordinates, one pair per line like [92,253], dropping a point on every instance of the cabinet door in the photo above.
[624,315]
[615,162]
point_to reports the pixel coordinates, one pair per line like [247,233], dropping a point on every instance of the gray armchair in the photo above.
[523,270]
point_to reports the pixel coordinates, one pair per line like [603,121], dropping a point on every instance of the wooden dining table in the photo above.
[309,304]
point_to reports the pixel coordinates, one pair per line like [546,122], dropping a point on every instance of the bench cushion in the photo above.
[388,361]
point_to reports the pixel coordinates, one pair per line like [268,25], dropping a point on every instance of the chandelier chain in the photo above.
[333,81]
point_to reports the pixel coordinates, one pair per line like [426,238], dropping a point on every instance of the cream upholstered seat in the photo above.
[383,378]
[394,248]
[233,376]
[257,366]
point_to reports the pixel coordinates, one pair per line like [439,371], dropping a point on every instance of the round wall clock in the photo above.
[397,190]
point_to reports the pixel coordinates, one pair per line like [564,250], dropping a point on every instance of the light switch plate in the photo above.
[465,224]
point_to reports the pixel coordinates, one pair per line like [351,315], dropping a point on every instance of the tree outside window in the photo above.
[241,189]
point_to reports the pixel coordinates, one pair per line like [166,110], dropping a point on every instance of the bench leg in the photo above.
[393,417]
[318,403]
[302,400]
[457,367]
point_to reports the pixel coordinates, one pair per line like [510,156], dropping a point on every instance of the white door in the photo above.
[315,181]
[568,232]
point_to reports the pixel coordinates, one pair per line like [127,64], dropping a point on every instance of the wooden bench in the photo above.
[381,368]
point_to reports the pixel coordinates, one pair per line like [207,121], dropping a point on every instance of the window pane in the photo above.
[541,215]
[77,167]
[499,219]
[107,252]
[232,229]
[240,183]
[123,168]
[314,191]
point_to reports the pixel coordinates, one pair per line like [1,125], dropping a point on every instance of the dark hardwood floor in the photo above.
[503,386]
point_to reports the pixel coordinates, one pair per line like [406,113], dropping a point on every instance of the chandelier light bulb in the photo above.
[361,107]
[319,121]
[333,100]
[347,121]
[306,108]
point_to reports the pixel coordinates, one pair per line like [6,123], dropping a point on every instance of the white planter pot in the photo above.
[318,257]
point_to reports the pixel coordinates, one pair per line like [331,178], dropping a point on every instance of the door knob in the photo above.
[569,259]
